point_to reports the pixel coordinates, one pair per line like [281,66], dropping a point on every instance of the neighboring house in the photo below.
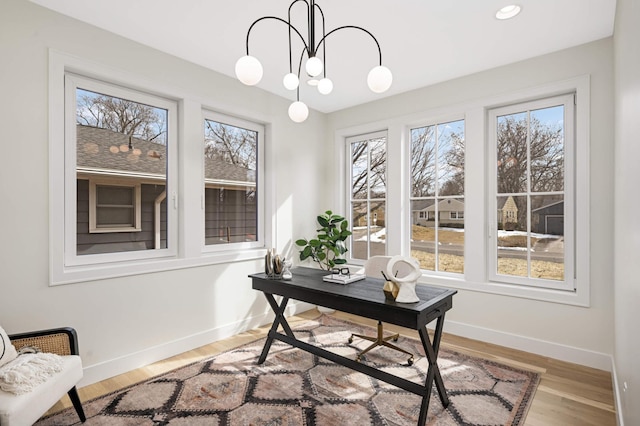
[450,213]
[231,213]
[419,214]
[376,216]
[121,195]
[548,219]
[508,212]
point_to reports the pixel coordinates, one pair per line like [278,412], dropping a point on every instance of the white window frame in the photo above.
[93,207]
[260,187]
[348,141]
[568,193]
[435,214]
[185,205]
[477,225]
[73,81]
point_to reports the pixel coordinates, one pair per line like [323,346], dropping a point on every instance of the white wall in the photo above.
[577,334]
[131,321]
[627,199]
[126,322]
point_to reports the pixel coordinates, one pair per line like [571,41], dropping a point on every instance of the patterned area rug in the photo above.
[294,387]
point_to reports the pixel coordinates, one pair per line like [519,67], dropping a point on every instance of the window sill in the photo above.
[575,298]
[84,273]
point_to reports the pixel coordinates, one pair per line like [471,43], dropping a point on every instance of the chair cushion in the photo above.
[7,350]
[28,370]
[25,409]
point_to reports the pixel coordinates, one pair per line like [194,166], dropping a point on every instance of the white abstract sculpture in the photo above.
[410,272]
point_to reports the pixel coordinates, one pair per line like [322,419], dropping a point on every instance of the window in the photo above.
[367,199]
[114,208]
[437,189]
[491,195]
[232,153]
[531,186]
[120,150]
[119,194]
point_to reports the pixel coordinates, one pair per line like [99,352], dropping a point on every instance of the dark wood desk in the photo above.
[364,298]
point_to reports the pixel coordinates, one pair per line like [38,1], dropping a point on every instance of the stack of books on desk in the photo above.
[343,279]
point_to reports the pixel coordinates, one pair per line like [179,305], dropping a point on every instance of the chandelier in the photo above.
[249,69]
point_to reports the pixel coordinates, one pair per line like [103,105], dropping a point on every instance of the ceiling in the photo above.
[423,41]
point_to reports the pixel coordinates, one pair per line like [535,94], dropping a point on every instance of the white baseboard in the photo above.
[107,369]
[572,354]
[104,370]
[616,393]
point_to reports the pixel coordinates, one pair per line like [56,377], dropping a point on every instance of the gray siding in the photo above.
[120,241]
[230,216]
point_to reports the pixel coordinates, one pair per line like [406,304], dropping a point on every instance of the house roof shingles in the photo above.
[106,150]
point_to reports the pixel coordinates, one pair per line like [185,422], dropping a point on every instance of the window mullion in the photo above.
[528,195]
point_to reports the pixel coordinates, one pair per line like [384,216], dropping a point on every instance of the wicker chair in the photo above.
[26,409]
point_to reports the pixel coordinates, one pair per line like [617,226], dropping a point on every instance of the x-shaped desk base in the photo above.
[431,351]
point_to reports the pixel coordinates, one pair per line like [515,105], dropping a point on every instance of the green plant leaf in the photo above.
[328,245]
[305,253]
[323,221]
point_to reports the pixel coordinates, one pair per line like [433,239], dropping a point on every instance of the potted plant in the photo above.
[329,244]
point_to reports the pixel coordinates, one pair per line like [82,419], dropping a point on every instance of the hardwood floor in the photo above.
[568,394]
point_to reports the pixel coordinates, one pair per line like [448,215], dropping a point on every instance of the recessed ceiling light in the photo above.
[508,12]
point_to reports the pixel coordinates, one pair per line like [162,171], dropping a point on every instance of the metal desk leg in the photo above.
[279,319]
[433,374]
[436,347]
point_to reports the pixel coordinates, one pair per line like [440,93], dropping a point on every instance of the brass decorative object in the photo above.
[390,290]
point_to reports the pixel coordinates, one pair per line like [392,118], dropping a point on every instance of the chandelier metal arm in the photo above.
[249,69]
[324,45]
[354,27]
[299,69]
[291,27]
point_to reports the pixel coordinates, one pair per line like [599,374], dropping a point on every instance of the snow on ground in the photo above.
[502,233]
[379,236]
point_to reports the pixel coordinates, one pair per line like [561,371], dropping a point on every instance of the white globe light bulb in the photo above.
[249,70]
[290,81]
[379,79]
[313,66]
[325,86]
[298,111]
